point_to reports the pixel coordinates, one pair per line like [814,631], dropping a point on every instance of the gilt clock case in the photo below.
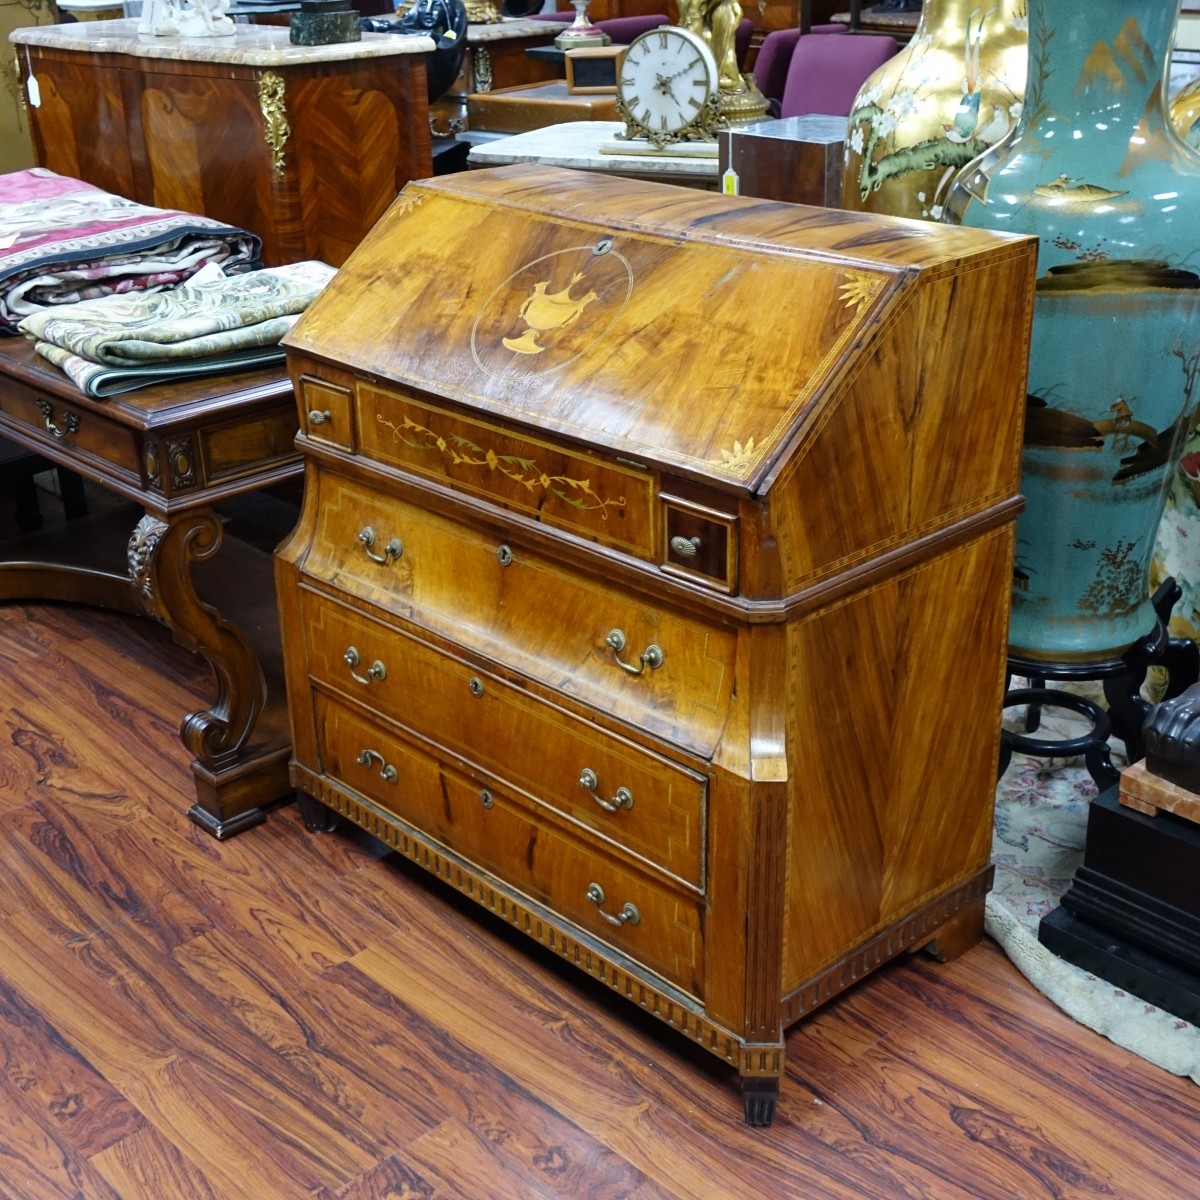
[651,583]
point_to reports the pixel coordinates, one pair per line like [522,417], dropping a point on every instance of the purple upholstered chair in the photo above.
[770,67]
[826,72]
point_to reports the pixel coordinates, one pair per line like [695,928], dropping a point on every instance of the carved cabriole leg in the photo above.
[161,556]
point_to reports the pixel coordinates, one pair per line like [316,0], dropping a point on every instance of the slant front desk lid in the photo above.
[701,333]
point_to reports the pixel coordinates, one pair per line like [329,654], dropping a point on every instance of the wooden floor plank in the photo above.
[289,1016]
[146,1166]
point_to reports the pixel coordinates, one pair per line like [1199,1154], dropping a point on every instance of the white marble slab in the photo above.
[577,144]
[510,27]
[251,45]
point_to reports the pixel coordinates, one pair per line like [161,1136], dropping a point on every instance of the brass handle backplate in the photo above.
[628,915]
[622,797]
[319,417]
[375,671]
[70,421]
[685,547]
[391,551]
[651,657]
[386,771]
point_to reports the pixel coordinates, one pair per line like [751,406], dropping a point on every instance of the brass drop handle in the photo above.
[375,671]
[622,797]
[651,657]
[685,547]
[70,421]
[628,915]
[319,417]
[386,771]
[392,550]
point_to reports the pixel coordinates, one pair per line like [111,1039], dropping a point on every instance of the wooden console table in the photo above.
[304,145]
[175,450]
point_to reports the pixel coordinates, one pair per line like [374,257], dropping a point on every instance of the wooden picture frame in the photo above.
[593,70]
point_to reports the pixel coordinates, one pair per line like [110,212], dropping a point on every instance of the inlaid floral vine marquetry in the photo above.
[276,129]
[407,201]
[461,451]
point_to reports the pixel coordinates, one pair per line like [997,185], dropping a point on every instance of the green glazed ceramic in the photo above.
[1096,170]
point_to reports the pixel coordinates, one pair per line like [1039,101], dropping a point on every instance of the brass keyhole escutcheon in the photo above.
[504,554]
[476,686]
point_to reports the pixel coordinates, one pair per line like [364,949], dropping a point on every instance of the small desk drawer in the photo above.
[643,804]
[652,923]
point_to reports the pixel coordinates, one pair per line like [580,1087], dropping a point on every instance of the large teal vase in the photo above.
[1095,169]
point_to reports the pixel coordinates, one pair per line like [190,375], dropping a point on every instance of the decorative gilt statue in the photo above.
[716,21]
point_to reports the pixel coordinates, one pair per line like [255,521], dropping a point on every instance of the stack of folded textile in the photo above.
[121,342]
[62,240]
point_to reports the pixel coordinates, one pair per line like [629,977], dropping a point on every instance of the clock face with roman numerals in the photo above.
[667,88]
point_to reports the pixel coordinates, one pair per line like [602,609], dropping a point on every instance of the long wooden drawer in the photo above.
[507,602]
[655,924]
[59,421]
[658,809]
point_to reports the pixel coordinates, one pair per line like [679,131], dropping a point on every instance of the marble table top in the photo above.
[577,144]
[252,45]
[511,27]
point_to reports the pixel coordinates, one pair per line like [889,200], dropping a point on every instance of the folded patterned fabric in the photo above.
[62,240]
[117,343]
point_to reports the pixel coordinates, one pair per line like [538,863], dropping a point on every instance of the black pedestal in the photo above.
[1132,913]
[1122,680]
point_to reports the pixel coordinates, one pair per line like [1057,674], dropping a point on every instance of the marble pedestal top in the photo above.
[252,45]
[509,28]
[577,144]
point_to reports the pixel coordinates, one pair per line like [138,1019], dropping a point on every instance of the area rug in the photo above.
[1041,823]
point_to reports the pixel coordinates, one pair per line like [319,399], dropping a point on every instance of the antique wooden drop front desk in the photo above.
[651,584]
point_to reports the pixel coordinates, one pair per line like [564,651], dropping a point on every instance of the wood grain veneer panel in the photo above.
[917,437]
[205,149]
[893,782]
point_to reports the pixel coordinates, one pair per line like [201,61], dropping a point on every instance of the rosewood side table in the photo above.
[176,450]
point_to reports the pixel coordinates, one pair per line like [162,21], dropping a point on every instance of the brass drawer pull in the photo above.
[70,420]
[651,657]
[685,547]
[386,771]
[319,417]
[622,798]
[392,550]
[375,671]
[628,915]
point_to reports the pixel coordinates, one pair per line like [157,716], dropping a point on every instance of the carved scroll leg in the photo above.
[760,1097]
[161,557]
